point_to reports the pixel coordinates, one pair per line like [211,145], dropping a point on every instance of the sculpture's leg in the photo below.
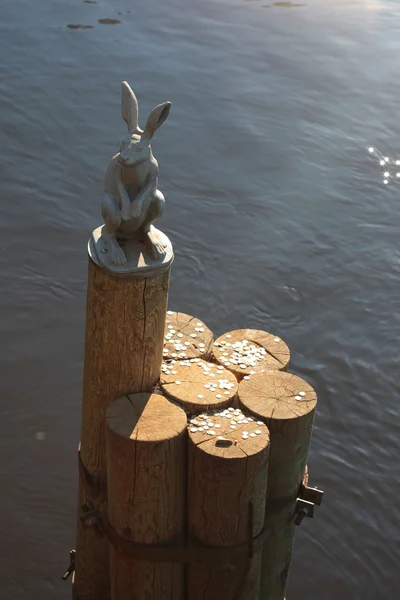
[155,211]
[112,220]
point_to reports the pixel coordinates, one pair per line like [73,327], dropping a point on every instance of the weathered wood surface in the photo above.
[222,482]
[185,382]
[125,323]
[146,465]
[186,337]
[286,403]
[229,351]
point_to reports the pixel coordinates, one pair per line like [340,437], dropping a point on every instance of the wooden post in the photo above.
[286,404]
[198,385]
[228,462]
[186,337]
[146,475]
[249,351]
[125,322]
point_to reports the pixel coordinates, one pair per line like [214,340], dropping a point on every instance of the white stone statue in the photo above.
[131,201]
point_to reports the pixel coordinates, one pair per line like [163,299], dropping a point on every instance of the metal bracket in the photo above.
[88,517]
[89,520]
[303,509]
[308,498]
[71,568]
[311,494]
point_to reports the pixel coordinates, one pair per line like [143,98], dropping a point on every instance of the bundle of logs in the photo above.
[193,453]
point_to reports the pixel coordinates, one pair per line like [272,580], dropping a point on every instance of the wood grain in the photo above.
[277,354]
[125,320]
[146,464]
[192,377]
[222,482]
[277,398]
[186,337]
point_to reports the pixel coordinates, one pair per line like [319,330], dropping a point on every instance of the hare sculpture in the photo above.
[131,202]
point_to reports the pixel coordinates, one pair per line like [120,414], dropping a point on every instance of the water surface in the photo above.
[279,219]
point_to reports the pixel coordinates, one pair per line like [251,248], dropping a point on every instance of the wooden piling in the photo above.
[227,472]
[146,475]
[125,322]
[286,404]
[249,351]
[198,385]
[186,337]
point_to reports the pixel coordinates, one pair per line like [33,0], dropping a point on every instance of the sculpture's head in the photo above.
[135,147]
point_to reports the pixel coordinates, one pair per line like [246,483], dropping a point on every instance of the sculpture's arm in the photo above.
[123,194]
[150,185]
[147,192]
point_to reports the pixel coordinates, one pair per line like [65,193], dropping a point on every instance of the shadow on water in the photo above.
[73,26]
[109,21]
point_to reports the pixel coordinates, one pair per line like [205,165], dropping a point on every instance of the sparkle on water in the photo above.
[387,164]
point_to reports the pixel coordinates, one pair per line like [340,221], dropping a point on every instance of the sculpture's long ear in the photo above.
[156,118]
[129,108]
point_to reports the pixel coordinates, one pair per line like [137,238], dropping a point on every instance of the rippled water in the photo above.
[279,219]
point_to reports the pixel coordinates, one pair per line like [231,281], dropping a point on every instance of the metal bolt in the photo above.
[71,567]
[300,516]
[89,517]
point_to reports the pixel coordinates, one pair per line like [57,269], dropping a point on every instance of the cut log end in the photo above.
[197,385]
[277,395]
[145,417]
[186,337]
[249,351]
[228,434]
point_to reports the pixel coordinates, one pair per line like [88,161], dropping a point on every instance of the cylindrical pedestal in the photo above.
[286,404]
[228,462]
[125,324]
[146,479]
